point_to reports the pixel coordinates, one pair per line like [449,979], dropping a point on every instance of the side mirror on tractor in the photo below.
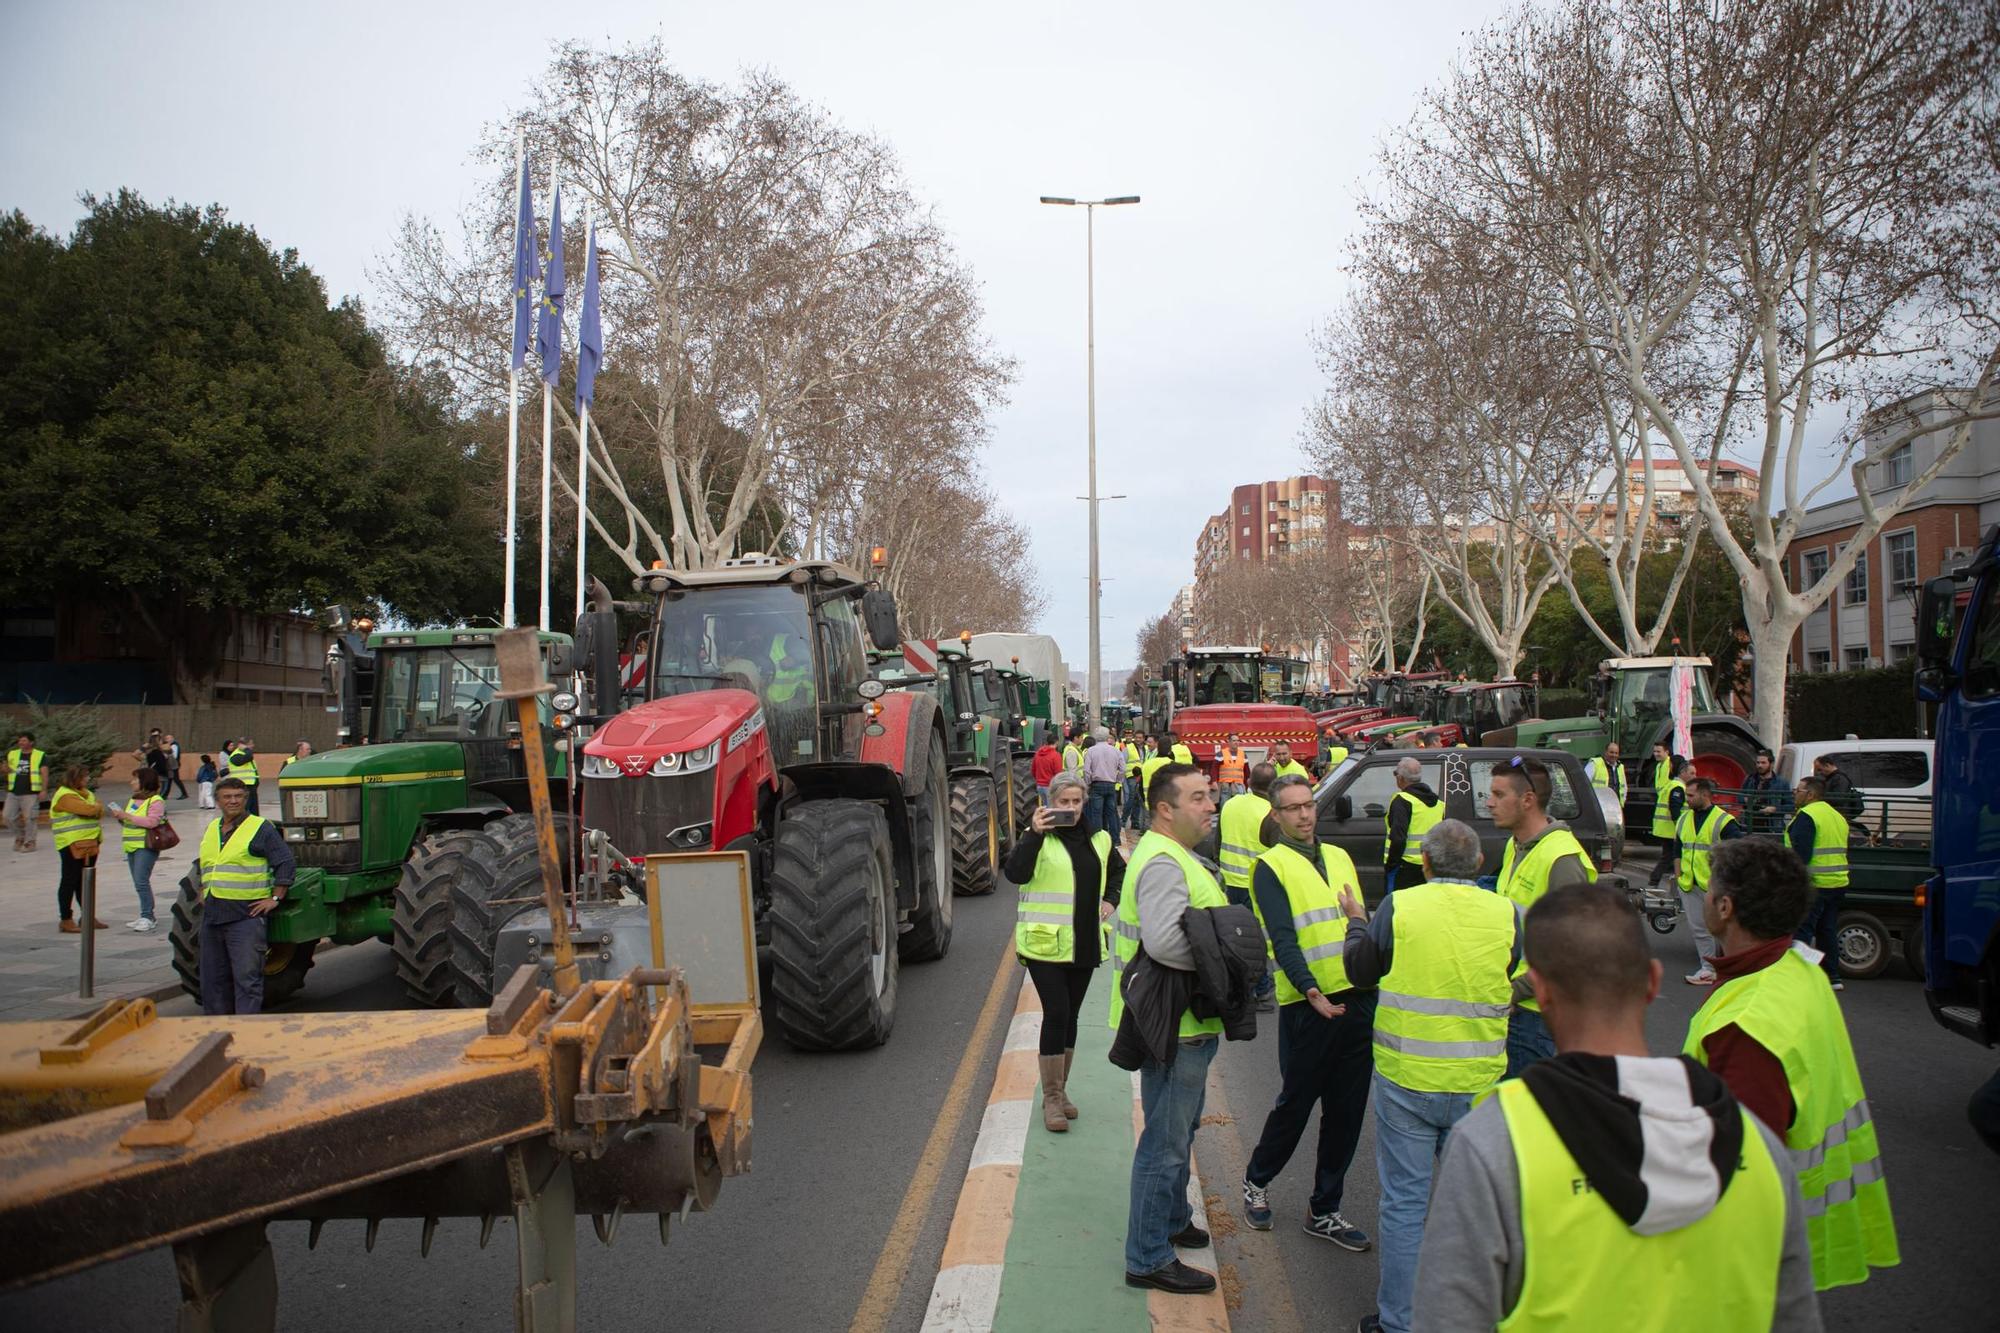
[878,610]
[597,650]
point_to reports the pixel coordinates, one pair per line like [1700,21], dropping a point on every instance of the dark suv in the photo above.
[1354,798]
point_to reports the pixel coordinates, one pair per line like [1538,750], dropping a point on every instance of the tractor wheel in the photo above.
[1723,757]
[1025,798]
[929,935]
[499,877]
[421,919]
[184,933]
[975,836]
[833,927]
[285,965]
[1002,779]
[285,968]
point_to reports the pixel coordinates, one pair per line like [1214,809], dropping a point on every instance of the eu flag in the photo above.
[548,330]
[524,268]
[589,337]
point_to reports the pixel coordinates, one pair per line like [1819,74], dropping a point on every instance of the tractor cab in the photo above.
[1635,695]
[1487,714]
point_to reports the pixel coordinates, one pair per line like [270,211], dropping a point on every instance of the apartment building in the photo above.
[1267,520]
[1870,620]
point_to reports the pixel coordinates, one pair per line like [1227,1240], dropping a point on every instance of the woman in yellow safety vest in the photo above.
[1070,879]
[73,817]
[143,812]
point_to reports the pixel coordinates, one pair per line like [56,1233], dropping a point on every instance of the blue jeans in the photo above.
[1821,928]
[141,864]
[1528,1040]
[1102,808]
[1171,1097]
[232,966]
[1410,1129]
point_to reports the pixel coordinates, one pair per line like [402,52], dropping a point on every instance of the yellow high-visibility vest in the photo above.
[135,836]
[1313,893]
[37,760]
[1239,831]
[1045,918]
[1828,866]
[232,870]
[1203,891]
[1698,842]
[1423,818]
[1441,1011]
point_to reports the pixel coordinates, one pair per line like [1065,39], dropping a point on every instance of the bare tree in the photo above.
[781,310]
[1158,643]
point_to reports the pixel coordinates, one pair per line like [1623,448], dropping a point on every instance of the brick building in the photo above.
[1870,620]
[1267,520]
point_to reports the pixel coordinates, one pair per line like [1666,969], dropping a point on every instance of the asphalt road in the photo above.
[1942,1180]
[792,1246]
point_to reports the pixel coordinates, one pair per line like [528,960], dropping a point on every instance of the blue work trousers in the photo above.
[1102,810]
[232,965]
[1171,1098]
[1528,1040]
[1821,928]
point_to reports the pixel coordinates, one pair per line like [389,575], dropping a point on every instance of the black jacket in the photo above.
[1155,998]
[1229,957]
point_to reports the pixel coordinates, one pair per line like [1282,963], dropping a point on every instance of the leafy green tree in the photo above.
[191,429]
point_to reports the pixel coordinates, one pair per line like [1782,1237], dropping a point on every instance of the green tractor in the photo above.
[1634,708]
[401,833]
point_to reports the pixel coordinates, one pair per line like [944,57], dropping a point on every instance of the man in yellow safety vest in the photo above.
[1608,771]
[1443,954]
[1703,1224]
[1413,811]
[243,871]
[1818,836]
[1163,879]
[1281,760]
[1702,828]
[1775,1034]
[1669,796]
[1325,1025]
[240,760]
[1541,854]
[27,771]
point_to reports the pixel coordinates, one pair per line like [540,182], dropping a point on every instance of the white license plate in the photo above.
[309,805]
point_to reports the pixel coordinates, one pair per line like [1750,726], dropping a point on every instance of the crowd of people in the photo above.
[242,866]
[1494,1023]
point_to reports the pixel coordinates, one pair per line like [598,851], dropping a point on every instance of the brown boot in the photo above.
[70,928]
[1053,1119]
[1069,1107]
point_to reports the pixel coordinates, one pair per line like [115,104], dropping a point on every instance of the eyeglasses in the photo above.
[1295,805]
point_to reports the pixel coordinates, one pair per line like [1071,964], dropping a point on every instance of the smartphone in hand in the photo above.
[1063,817]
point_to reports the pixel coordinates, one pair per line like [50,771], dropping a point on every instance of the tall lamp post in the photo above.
[1094,686]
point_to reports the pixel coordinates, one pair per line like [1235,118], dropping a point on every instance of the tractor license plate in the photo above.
[309,805]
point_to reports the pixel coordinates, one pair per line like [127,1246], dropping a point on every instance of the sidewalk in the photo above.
[39,964]
[1037,1244]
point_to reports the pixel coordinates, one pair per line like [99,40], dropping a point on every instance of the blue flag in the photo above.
[548,331]
[589,336]
[524,269]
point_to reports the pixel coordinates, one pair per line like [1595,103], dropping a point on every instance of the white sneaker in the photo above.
[133,924]
[144,924]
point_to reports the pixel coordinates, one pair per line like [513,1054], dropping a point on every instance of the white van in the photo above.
[1897,770]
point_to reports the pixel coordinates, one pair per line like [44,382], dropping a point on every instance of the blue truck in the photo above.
[1958,669]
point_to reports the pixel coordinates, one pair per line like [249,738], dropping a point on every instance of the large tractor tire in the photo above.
[1025,796]
[421,920]
[929,935]
[975,835]
[499,877]
[833,927]
[285,965]
[1723,756]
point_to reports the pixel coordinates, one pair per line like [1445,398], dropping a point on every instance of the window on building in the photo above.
[1244,553]
[1854,592]
[1900,550]
[1819,659]
[1812,567]
[1854,659]
[1900,652]
[1246,509]
[1245,532]
[1896,468]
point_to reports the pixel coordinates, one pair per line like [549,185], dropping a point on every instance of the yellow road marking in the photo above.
[878,1302]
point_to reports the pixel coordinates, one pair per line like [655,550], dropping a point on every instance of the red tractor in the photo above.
[759,728]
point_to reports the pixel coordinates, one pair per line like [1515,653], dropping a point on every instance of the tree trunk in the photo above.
[1770,644]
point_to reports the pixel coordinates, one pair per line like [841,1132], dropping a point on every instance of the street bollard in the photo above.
[87,979]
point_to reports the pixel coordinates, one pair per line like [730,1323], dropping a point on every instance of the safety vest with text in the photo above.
[134,839]
[1698,840]
[1423,818]
[1788,1008]
[1045,920]
[1203,891]
[37,760]
[1592,1272]
[232,870]
[1313,894]
[1239,830]
[1828,866]
[1441,1011]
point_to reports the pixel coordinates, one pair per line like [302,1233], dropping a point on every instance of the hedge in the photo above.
[1879,703]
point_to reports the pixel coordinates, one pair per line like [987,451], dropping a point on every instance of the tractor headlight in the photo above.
[564,702]
[597,766]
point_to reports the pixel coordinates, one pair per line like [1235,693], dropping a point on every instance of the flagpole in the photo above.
[589,353]
[513,424]
[548,412]
[582,503]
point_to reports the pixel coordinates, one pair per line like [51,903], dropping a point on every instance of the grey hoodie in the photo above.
[1470,1271]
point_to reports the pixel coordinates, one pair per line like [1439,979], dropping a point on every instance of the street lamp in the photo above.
[1090,207]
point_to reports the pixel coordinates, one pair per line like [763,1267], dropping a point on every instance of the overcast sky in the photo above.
[1246,129]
